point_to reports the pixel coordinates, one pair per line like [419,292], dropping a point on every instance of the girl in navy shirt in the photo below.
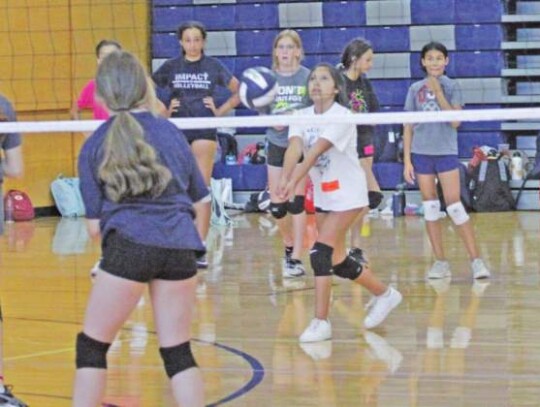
[139,181]
[187,85]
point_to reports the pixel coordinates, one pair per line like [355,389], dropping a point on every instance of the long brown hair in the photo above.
[130,165]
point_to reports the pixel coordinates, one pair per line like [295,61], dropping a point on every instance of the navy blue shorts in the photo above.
[137,262]
[434,164]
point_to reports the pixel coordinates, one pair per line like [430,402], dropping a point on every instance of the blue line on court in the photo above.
[256,367]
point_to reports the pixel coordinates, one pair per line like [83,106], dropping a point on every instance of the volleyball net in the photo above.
[47,55]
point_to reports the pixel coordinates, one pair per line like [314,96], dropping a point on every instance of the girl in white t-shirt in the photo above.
[340,194]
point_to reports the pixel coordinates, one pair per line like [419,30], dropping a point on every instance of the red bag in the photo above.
[18,206]
[477,158]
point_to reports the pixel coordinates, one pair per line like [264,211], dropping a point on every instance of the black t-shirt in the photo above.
[361,99]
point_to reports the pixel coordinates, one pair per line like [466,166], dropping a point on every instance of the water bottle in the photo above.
[8,210]
[399,201]
[517,166]
[230,159]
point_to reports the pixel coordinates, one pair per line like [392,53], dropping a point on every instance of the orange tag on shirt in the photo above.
[330,186]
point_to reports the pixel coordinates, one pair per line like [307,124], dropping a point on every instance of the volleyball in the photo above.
[258,87]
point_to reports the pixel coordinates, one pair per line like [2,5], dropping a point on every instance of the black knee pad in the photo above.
[297,206]
[278,210]
[348,268]
[177,358]
[375,198]
[320,256]
[91,353]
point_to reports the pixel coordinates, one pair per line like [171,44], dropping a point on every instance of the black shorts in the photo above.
[364,145]
[275,155]
[137,262]
[320,210]
[193,135]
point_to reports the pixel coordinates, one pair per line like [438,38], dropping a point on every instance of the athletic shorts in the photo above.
[320,210]
[193,135]
[364,145]
[275,155]
[434,164]
[137,262]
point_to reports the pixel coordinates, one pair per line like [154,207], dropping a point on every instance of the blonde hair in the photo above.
[130,165]
[293,35]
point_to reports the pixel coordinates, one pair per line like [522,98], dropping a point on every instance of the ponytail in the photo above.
[130,166]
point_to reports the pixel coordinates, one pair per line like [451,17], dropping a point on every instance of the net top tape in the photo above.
[287,120]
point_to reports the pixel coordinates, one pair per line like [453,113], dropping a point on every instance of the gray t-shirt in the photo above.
[292,95]
[433,138]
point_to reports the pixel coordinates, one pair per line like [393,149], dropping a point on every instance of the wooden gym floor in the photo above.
[458,343]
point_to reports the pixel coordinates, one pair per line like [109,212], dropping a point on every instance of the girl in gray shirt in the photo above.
[430,153]
[287,53]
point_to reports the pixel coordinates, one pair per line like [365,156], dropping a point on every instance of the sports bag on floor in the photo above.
[492,191]
[67,196]
[18,206]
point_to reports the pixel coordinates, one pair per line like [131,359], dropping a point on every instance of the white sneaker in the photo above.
[317,350]
[479,269]
[440,269]
[372,301]
[293,268]
[318,330]
[202,262]
[384,305]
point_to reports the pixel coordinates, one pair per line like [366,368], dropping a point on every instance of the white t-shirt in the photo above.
[339,183]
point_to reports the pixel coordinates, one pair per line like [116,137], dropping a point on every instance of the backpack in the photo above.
[491,190]
[253,154]
[67,196]
[18,206]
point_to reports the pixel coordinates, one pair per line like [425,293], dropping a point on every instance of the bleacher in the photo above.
[475,32]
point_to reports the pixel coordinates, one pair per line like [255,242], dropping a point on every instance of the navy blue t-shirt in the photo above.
[165,221]
[191,82]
